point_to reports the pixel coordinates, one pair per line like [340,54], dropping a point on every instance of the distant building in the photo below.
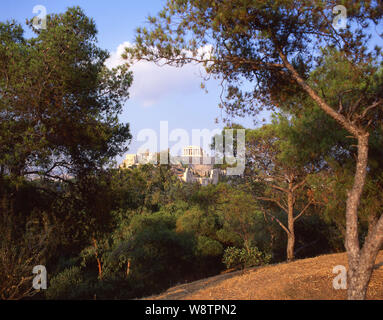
[195,155]
[139,158]
[130,160]
[200,167]
[146,157]
[192,151]
[190,176]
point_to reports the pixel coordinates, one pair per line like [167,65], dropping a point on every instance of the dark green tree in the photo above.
[278,169]
[59,129]
[59,104]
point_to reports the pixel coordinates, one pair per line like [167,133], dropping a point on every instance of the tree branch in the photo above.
[298,185]
[279,222]
[275,201]
[353,129]
[303,211]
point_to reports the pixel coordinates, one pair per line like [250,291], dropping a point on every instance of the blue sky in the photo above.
[158,94]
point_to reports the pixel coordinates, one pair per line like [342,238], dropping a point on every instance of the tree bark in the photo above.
[99,264]
[360,274]
[357,279]
[361,267]
[290,224]
[128,268]
[290,247]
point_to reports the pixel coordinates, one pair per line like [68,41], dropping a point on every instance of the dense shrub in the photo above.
[68,284]
[76,283]
[208,247]
[242,257]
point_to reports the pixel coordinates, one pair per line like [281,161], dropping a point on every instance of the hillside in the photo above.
[302,279]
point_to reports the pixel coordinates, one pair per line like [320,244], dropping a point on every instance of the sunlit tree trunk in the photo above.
[99,264]
[290,225]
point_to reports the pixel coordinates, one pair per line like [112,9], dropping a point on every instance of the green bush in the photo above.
[208,247]
[242,257]
[68,284]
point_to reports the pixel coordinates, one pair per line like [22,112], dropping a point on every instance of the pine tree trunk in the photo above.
[358,284]
[360,271]
[291,234]
[128,268]
[290,247]
[99,265]
[358,275]
[99,268]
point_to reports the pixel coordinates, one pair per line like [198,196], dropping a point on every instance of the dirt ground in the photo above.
[306,279]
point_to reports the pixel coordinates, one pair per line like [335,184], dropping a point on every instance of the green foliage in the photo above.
[59,130]
[240,216]
[69,284]
[242,257]
[198,222]
[64,115]
[151,248]
[207,247]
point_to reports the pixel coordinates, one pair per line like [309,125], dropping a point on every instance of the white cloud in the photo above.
[152,83]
